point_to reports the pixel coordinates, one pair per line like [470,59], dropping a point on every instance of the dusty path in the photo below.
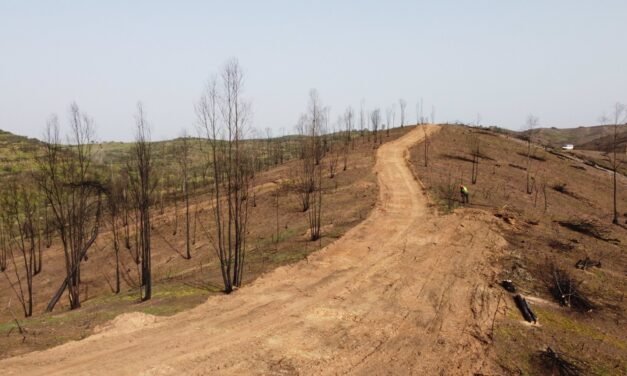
[404,292]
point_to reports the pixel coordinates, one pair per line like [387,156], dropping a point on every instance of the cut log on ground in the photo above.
[525,309]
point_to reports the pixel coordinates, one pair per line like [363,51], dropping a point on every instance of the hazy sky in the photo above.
[564,61]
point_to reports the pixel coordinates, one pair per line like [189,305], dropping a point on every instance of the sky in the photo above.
[562,61]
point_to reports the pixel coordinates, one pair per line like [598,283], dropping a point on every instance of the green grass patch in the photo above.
[7,327]
[562,322]
[286,257]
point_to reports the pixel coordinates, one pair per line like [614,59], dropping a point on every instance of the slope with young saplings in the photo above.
[566,218]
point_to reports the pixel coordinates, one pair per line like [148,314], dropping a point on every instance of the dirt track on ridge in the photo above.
[404,292]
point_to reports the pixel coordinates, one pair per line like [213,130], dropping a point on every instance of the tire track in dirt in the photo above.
[395,295]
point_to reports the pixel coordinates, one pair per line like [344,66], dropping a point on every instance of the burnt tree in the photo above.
[183,150]
[18,217]
[532,122]
[614,155]
[222,116]
[74,194]
[142,186]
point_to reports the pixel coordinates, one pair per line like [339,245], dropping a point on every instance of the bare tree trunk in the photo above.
[187,225]
[333,161]
[176,216]
[276,205]
[426,146]
[143,185]
[223,117]
[532,122]
[73,192]
[388,118]
[115,197]
[47,231]
[528,167]
[475,151]
[620,117]
[314,120]
[19,217]
[39,259]
[315,214]
[348,122]
[183,157]
[66,281]
[137,252]
[3,247]
[308,151]
[117,268]
[403,105]
[195,223]
[544,194]
[375,120]
[615,217]
[126,225]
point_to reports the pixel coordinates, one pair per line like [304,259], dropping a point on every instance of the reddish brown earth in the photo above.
[534,226]
[180,284]
[404,292]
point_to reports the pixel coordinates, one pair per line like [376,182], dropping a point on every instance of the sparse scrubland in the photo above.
[278,234]
[563,255]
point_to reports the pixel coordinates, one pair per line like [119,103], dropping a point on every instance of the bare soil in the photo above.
[181,284]
[404,292]
[566,218]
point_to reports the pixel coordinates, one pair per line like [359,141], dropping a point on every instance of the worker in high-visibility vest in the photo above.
[464,192]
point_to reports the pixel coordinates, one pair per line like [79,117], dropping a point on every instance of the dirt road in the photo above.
[404,292]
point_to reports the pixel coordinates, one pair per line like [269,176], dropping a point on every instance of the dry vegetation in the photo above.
[564,254]
[16,153]
[580,136]
[278,234]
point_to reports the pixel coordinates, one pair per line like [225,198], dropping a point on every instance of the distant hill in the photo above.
[605,143]
[17,152]
[556,137]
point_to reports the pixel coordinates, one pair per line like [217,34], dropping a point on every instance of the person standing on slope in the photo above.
[464,192]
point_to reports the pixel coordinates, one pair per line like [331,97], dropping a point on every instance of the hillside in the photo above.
[277,236]
[414,269]
[392,296]
[566,218]
[605,143]
[556,137]
[16,153]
